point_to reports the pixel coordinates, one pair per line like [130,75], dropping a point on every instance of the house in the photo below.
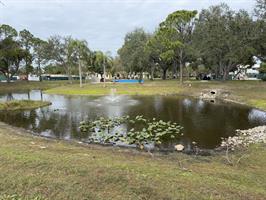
[33,77]
[3,78]
[247,72]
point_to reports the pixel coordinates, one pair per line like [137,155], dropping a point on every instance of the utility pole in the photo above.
[80,74]
[104,72]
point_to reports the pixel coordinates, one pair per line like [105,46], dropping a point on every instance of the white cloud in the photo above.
[102,22]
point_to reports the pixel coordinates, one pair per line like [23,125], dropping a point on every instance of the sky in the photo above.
[103,23]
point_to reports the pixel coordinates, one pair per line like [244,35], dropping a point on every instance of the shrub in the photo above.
[263,78]
[262,68]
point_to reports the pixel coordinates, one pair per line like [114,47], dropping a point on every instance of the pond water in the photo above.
[204,122]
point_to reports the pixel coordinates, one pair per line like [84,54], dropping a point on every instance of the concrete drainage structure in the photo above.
[212,94]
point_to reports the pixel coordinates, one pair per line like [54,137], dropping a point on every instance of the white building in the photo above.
[33,77]
[247,72]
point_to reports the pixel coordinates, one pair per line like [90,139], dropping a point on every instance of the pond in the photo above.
[204,122]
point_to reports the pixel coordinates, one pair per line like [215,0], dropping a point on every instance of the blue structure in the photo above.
[128,81]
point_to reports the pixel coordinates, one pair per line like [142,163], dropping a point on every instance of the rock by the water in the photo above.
[246,137]
[179,147]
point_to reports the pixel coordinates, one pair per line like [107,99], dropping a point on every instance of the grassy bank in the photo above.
[21,86]
[148,88]
[252,93]
[22,105]
[32,167]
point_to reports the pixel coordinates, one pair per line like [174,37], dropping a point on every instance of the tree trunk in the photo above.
[8,78]
[152,71]
[69,75]
[140,77]
[27,70]
[80,75]
[187,70]
[174,70]
[216,73]
[164,74]
[181,67]
[181,72]
[152,74]
[225,75]
[39,71]
[220,70]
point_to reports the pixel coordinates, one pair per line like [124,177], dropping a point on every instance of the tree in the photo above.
[40,54]
[260,13]
[7,31]
[224,39]
[108,62]
[81,53]
[116,66]
[260,9]
[180,25]
[159,51]
[53,69]
[132,54]
[11,56]
[27,40]
[97,61]
[62,53]
[11,53]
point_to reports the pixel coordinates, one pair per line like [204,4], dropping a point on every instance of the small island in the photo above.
[22,105]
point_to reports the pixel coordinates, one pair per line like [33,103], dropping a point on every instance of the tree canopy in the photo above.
[132,54]
[224,39]
[11,56]
[215,40]
[218,39]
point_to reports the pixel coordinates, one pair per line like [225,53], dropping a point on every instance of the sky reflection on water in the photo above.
[204,123]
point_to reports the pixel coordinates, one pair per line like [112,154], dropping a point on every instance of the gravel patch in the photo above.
[244,138]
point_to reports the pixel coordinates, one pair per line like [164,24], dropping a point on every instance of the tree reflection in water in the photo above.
[205,123]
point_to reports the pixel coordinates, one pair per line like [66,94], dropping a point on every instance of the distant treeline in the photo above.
[216,40]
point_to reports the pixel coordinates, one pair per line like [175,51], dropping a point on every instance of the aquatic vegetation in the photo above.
[22,105]
[144,131]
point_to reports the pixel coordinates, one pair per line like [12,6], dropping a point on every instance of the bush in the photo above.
[263,68]
[263,78]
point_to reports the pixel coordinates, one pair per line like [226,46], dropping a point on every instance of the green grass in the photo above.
[32,167]
[22,105]
[36,168]
[252,93]
[149,88]
[22,86]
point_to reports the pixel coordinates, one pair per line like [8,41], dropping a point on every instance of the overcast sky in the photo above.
[103,23]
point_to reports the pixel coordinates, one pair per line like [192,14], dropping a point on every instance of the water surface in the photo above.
[204,122]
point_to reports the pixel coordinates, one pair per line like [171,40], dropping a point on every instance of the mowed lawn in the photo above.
[36,168]
[24,86]
[252,93]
